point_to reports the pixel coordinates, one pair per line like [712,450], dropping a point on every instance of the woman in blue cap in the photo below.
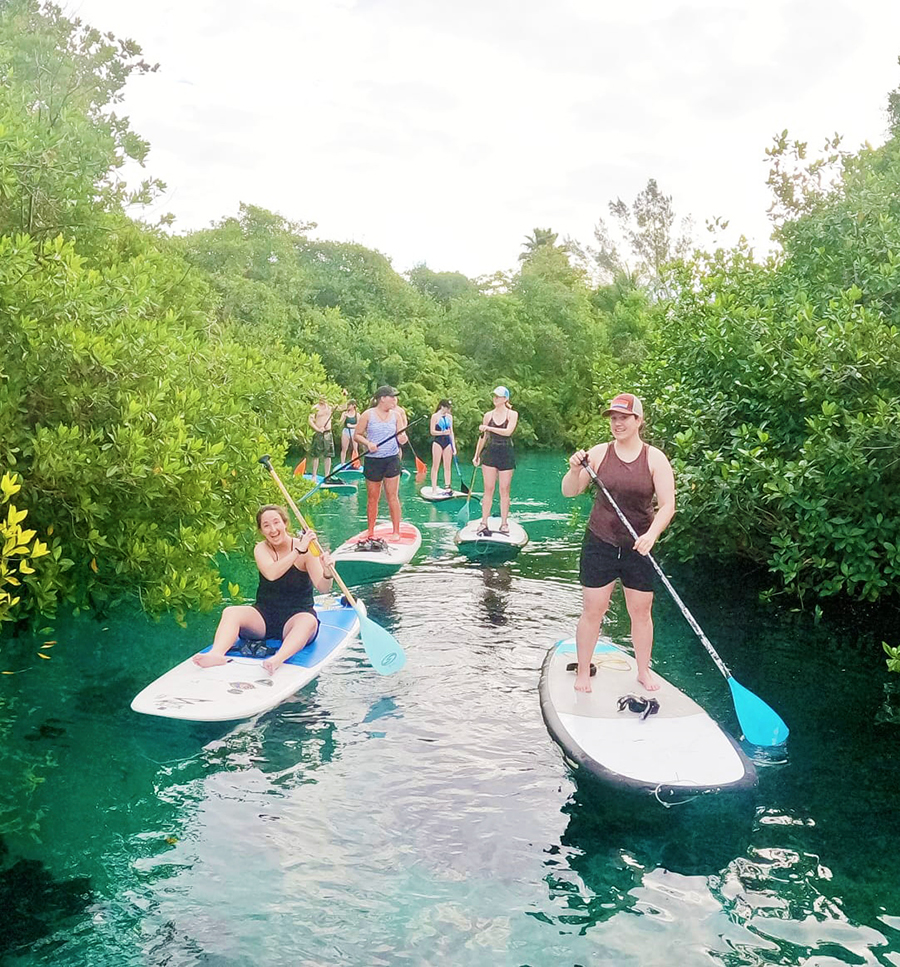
[496,457]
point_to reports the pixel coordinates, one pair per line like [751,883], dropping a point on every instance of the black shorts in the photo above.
[276,618]
[501,458]
[377,469]
[602,563]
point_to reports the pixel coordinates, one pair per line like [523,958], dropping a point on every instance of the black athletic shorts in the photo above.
[377,469]
[276,618]
[602,563]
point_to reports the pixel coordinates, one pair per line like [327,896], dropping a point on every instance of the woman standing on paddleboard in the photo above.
[495,455]
[288,573]
[351,418]
[381,429]
[634,473]
[443,446]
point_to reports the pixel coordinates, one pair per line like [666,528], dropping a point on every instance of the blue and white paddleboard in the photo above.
[242,688]
[678,751]
[335,485]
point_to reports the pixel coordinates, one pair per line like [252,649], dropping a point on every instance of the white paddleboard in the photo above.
[242,688]
[468,537]
[437,494]
[675,753]
[355,560]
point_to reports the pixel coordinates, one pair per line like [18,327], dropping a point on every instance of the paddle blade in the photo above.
[762,725]
[420,467]
[462,518]
[300,469]
[382,648]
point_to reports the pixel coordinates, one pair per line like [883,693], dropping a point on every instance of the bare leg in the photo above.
[299,631]
[448,476]
[235,619]
[435,461]
[315,467]
[489,474]
[392,492]
[373,495]
[505,483]
[595,602]
[327,466]
[640,604]
[345,443]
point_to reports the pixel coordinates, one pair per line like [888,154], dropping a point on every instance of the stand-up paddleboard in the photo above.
[361,559]
[334,484]
[242,688]
[674,752]
[437,494]
[471,542]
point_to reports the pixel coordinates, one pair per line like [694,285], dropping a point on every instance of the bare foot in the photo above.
[272,665]
[395,538]
[208,660]
[583,681]
[649,682]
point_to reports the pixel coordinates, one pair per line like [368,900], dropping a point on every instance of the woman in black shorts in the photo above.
[634,473]
[496,457]
[288,576]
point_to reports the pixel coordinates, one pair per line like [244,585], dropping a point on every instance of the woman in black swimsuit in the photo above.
[288,575]
[496,456]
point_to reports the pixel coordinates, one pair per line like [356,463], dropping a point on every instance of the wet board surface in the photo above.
[678,751]
[391,555]
[437,494]
[468,535]
[242,688]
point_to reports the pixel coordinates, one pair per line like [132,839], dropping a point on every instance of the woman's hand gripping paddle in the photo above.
[382,648]
[762,725]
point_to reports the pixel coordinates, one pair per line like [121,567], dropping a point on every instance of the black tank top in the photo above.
[498,443]
[292,591]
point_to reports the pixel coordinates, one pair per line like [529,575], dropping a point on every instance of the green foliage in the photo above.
[21,548]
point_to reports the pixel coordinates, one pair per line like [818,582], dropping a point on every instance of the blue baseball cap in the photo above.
[501,391]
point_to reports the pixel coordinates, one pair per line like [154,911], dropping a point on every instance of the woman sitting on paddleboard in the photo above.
[381,429]
[494,453]
[634,473]
[351,418]
[288,573]
[444,445]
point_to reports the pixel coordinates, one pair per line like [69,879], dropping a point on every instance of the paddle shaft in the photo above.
[267,463]
[691,620]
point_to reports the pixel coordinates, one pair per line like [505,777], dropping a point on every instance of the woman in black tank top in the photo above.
[634,474]
[496,457]
[288,576]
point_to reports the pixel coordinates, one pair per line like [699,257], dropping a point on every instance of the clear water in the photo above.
[427,818]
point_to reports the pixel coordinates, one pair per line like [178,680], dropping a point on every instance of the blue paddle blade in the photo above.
[381,646]
[462,518]
[762,725]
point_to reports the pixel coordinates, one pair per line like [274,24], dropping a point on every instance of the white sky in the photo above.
[444,131]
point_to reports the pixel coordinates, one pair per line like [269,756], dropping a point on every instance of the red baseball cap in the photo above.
[626,403]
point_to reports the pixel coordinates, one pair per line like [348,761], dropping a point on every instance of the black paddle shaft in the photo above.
[691,620]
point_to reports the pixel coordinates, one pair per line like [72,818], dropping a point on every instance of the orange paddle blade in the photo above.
[300,469]
[420,466]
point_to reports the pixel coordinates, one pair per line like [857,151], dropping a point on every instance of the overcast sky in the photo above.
[444,131]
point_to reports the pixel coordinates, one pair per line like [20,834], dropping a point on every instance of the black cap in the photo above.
[386,391]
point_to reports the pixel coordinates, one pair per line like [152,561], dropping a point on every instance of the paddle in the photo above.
[762,725]
[381,646]
[462,518]
[421,469]
[462,484]
[300,469]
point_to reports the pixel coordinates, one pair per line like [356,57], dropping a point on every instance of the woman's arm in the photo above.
[402,424]
[359,433]
[577,479]
[512,419]
[433,424]
[273,568]
[320,569]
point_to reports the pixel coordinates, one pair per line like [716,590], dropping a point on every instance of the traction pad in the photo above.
[573,667]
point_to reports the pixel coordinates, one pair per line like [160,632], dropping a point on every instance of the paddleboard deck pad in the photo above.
[469,539]
[675,751]
[436,494]
[242,688]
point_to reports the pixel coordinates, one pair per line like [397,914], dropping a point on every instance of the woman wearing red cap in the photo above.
[634,473]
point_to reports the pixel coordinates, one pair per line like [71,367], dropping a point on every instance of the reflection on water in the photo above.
[427,818]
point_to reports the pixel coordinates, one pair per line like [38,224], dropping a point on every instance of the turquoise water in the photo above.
[427,818]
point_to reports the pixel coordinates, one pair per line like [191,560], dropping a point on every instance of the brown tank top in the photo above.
[631,486]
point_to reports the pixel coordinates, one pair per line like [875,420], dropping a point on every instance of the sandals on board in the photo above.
[483,530]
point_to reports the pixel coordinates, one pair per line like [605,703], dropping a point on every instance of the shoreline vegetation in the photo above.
[131,357]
